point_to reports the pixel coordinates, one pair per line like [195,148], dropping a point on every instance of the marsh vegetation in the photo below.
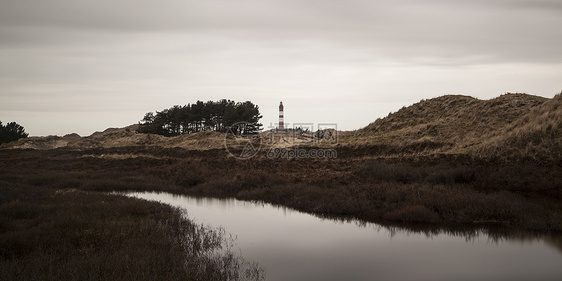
[50,231]
[522,196]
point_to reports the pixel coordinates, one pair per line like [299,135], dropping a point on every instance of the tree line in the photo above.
[11,132]
[200,116]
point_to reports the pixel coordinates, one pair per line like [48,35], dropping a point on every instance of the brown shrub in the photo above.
[412,214]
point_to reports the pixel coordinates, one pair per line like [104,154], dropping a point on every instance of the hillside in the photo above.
[537,135]
[121,137]
[460,124]
[128,136]
[511,126]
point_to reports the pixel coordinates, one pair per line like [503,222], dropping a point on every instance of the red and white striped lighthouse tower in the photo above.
[281,120]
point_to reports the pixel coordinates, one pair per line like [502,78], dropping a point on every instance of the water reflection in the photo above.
[297,246]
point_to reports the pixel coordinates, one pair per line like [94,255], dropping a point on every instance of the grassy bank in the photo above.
[438,191]
[50,231]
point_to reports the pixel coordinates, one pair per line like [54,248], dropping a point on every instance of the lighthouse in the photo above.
[281,120]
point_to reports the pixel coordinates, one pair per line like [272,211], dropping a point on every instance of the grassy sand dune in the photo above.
[521,125]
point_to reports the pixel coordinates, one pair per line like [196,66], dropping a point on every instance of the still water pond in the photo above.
[295,246]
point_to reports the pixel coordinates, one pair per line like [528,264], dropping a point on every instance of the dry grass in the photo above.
[436,191]
[536,136]
[449,161]
[121,137]
[51,229]
[462,125]
[512,127]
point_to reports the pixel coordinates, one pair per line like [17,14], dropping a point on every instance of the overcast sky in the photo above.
[83,66]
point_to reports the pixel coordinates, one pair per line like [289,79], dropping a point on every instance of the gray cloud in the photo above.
[65,55]
[500,30]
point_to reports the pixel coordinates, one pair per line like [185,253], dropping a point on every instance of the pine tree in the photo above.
[11,132]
